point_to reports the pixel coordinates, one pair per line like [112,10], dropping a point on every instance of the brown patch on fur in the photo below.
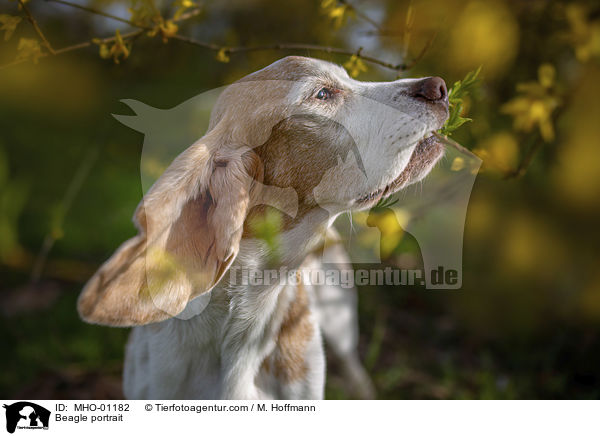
[298,154]
[288,361]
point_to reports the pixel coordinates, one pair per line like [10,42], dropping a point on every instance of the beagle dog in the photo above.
[299,136]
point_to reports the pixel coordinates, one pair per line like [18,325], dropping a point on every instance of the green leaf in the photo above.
[463,88]
[456,95]
[384,203]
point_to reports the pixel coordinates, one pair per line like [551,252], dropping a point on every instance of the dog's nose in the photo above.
[431,89]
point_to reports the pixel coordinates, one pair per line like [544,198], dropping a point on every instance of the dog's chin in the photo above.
[424,157]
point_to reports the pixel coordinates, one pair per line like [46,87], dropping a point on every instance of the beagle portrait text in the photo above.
[299,137]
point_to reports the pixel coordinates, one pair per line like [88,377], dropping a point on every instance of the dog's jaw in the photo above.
[424,157]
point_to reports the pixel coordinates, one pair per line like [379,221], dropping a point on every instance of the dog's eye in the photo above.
[324,94]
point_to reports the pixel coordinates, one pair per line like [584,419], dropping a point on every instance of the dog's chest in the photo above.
[270,339]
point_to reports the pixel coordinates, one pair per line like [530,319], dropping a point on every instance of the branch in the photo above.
[35,26]
[78,46]
[183,17]
[94,11]
[422,53]
[216,47]
[382,33]
[187,15]
[526,161]
[55,230]
[291,46]
[361,15]
[240,49]
[537,143]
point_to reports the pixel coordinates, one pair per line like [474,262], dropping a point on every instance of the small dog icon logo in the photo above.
[26,415]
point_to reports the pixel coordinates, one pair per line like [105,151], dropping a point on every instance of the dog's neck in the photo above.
[264,305]
[293,245]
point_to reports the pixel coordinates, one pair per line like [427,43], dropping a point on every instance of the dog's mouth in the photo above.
[427,152]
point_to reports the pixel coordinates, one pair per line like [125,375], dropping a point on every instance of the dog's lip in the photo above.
[374,196]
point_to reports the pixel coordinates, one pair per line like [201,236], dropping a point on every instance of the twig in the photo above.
[35,26]
[216,47]
[408,25]
[78,46]
[537,143]
[183,17]
[526,161]
[291,46]
[361,15]
[422,53]
[239,49]
[96,12]
[382,33]
[187,15]
[452,143]
[64,206]
[207,45]
[377,337]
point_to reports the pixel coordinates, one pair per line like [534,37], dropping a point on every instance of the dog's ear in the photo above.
[190,225]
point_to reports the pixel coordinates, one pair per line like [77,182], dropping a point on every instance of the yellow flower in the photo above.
[457,164]
[223,55]
[104,51]
[182,6]
[117,51]
[535,105]
[8,23]
[167,29]
[143,11]
[29,49]
[337,12]
[584,34]
[546,75]
[355,66]
[119,48]
[390,223]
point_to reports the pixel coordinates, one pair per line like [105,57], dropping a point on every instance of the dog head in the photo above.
[337,141]
[298,128]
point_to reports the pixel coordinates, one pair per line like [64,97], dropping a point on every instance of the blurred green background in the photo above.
[526,322]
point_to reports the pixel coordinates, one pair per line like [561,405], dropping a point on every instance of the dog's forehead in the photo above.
[298,68]
[309,70]
[272,84]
